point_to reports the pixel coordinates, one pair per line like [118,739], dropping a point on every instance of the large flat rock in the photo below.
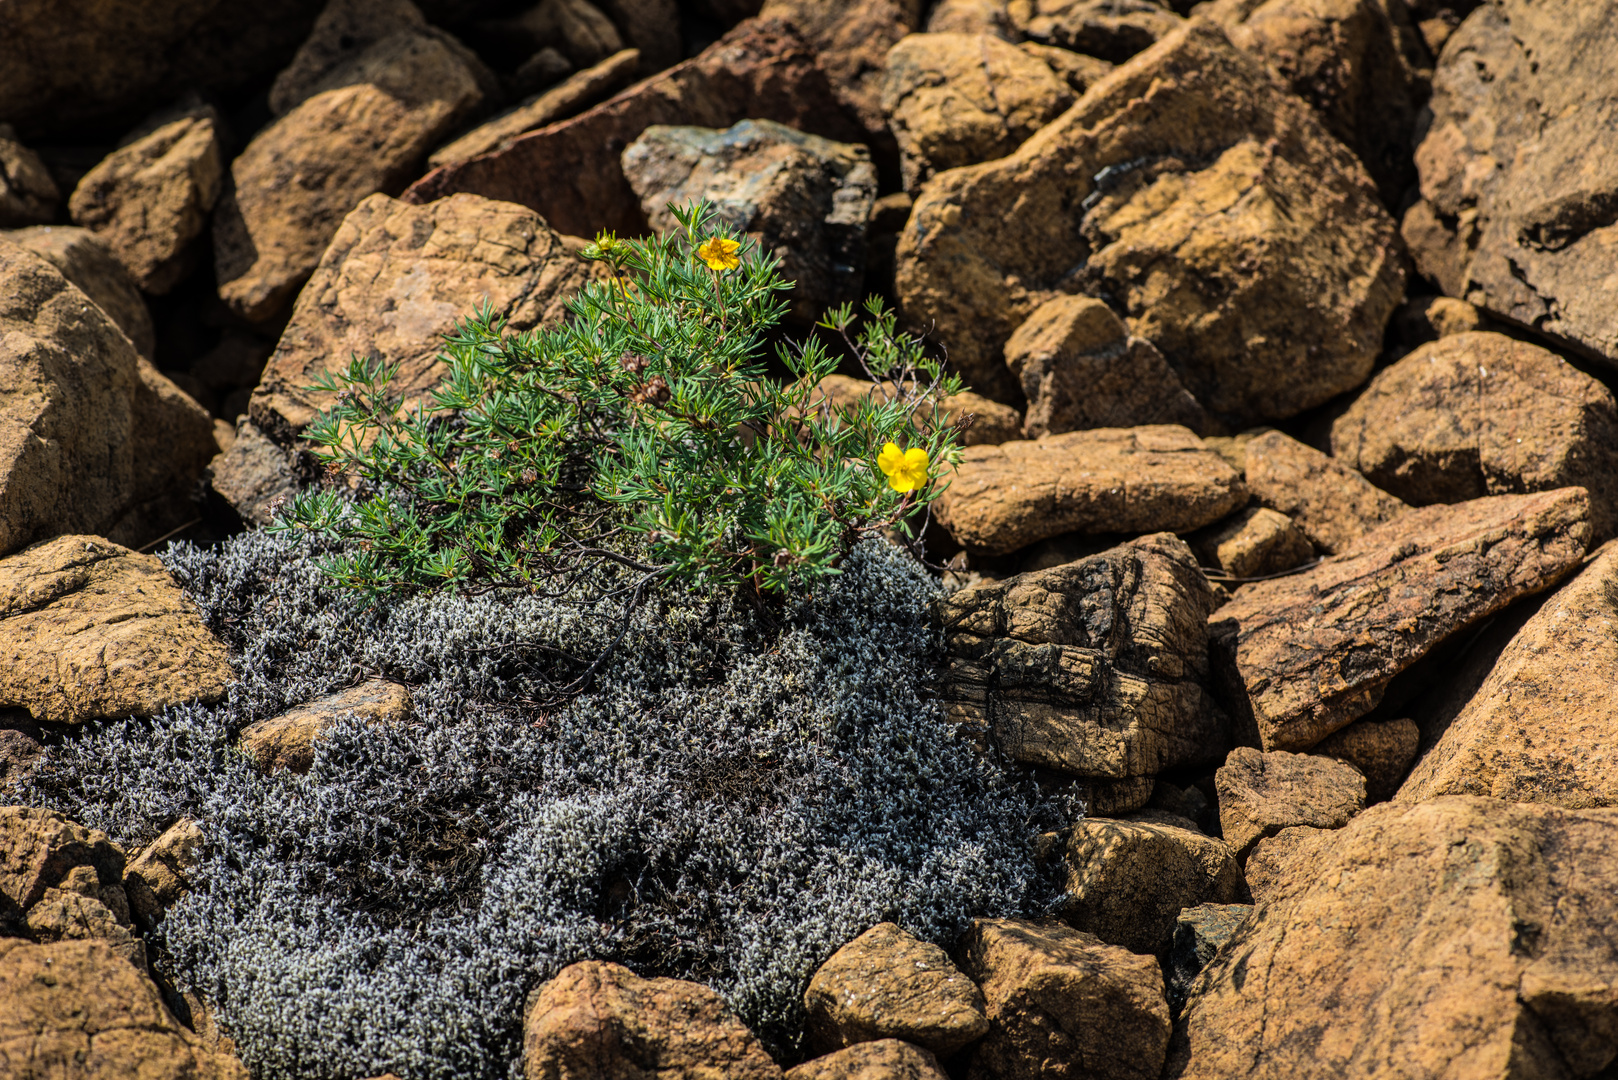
[1316,650]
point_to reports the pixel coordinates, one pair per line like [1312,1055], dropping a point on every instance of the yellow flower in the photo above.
[906,470]
[720,253]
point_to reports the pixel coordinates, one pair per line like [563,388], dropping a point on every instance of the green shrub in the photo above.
[644,431]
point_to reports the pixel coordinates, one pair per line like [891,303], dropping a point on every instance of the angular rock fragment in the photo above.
[1484,414]
[28,195]
[1106,480]
[1382,750]
[159,875]
[888,984]
[570,171]
[1080,368]
[364,127]
[1127,881]
[1113,30]
[1316,649]
[1427,318]
[1458,937]
[254,474]
[1097,668]
[1329,502]
[600,1019]
[578,29]
[395,279]
[1199,933]
[149,200]
[1543,727]
[1063,1003]
[852,37]
[1270,863]
[1212,207]
[992,423]
[652,27]
[1517,211]
[60,881]
[1254,543]
[801,197]
[287,740]
[86,261]
[92,630]
[958,99]
[1261,794]
[972,17]
[885,1059]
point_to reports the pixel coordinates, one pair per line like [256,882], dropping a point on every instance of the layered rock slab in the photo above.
[1214,209]
[1316,650]
[1458,937]
[1543,726]
[1125,480]
[1095,668]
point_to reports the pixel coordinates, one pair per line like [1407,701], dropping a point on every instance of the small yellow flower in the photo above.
[906,470]
[720,253]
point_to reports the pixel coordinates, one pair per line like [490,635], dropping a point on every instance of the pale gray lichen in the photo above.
[740,794]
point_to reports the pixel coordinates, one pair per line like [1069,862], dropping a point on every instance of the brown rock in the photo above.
[885,1059]
[93,630]
[92,437]
[570,171]
[20,746]
[395,279]
[1063,1004]
[1199,933]
[1261,794]
[599,1021]
[1543,727]
[993,423]
[852,37]
[41,850]
[159,874]
[1096,668]
[150,200]
[1121,480]
[801,197]
[28,195]
[972,17]
[1080,368]
[888,984]
[576,93]
[1270,863]
[1517,215]
[958,99]
[1079,71]
[253,474]
[1114,30]
[365,126]
[1128,880]
[577,29]
[1382,750]
[1329,502]
[86,261]
[1164,187]
[77,1009]
[1317,649]
[1458,937]
[650,26]
[287,740]
[1484,414]
[1257,542]
[1360,63]
[1427,318]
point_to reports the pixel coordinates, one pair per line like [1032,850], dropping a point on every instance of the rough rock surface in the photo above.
[600,1021]
[93,630]
[60,881]
[77,1009]
[157,877]
[1382,750]
[286,740]
[993,423]
[1079,367]
[570,171]
[852,37]
[1329,502]
[28,194]
[1543,727]
[1127,881]
[368,127]
[1269,864]
[972,17]
[1484,414]
[1316,650]
[577,29]
[1063,1004]
[1261,794]
[1421,319]
[958,99]
[395,279]
[1096,668]
[253,474]
[1107,480]
[1114,30]
[1228,226]
[804,198]
[86,261]
[1459,937]
[1256,542]
[92,437]
[888,984]
[1517,211]
[885,1059]
[1199,933]
[150,200]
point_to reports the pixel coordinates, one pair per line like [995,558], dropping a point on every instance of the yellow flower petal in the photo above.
[719,252]
[890,460]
